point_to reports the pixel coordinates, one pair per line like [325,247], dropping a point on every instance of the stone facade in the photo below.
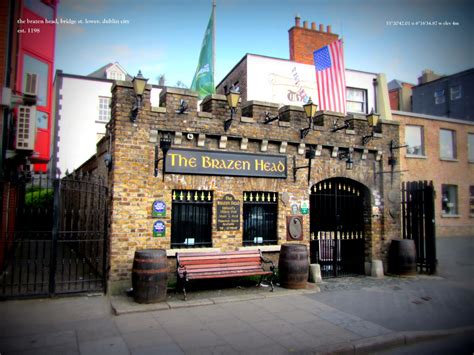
[430,166]
[134,186]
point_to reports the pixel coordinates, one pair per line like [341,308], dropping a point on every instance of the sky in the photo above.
[397,37]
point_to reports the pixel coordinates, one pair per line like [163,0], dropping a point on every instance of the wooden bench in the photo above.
[194,266]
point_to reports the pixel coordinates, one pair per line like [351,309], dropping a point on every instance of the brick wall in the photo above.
[133,186]
[459,172]
[304,40]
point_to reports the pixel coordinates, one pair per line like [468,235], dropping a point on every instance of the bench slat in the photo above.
[220,261]
[223,274]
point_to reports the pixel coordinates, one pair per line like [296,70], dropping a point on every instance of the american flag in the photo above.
[330,77]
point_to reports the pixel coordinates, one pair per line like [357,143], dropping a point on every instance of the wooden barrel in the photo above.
[293,266]
[150,275]
[402,257]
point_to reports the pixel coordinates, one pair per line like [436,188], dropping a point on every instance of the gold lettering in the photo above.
[230,164]
[259,165]
[205,162]
[173,155]
[281,167]
[192,162]
[238,165]
[246,165]
[215,164]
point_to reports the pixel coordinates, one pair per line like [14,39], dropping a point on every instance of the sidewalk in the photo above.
[348,315]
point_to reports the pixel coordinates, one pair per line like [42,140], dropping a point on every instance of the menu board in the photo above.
[228,213]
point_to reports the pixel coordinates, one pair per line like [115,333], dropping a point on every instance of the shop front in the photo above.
[183,180]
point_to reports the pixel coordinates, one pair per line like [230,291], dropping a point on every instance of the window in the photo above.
[40,8]
[439,97]
[470,147]
[447,147]
[455,92]
[414,140]
[260,218]
[356,100]
[191,219]
[449,199]
[115,75]
[104,109]
[41,120]
[34,66]
[471,201]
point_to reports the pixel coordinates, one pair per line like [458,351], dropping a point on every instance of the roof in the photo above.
[447,77]
[397,84]
[101,72]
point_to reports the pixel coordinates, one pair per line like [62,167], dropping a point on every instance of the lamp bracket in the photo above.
[183,107]
[393,146]
[336,126]
[269,118]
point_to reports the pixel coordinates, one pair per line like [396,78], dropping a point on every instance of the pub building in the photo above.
[248,177]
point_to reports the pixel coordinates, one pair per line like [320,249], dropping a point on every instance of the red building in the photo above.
[28,41]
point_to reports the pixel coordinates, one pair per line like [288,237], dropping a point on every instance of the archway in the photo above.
[340,210]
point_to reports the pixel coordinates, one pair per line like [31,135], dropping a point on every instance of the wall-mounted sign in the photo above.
[294,208]
[304,207]
[159,229]
[203,162]
[294,228]
[228,213]
[158,209]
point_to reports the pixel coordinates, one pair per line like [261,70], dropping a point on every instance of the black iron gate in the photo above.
[337,227]
[53,235]
[418,222]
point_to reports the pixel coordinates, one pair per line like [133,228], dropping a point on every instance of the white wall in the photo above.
[78,119]
[78,116]
[288,83]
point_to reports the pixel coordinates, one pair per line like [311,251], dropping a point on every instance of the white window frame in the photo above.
[104,112]
[439,97]
[352,100]
[455,92]
[453,144]
[422,141]
[449,200]
[470,147]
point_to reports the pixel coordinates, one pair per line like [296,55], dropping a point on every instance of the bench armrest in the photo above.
[267,261]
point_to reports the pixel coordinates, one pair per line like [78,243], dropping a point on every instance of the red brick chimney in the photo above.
[304,41]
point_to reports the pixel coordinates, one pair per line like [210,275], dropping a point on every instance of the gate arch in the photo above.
[339,219]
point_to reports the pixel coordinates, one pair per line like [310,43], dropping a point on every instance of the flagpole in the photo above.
[213,38]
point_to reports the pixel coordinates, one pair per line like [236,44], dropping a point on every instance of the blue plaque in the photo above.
[158,209]
[159,229]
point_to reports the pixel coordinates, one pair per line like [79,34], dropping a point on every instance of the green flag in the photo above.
[203,81]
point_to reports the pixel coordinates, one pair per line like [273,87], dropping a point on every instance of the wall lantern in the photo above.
[372,120]
[139,83]
[108,161]
[310,155]
[310,111]
[347,156]
[165,145]
[233,96]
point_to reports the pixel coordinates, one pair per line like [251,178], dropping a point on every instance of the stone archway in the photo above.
[339,219]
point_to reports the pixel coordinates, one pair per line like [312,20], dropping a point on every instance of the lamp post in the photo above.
[310,110]
[139,84]
[232,96]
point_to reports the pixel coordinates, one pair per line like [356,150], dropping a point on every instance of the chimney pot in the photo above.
[305,24]
[297,21]
[321,27]
[328,28]
[313,25]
